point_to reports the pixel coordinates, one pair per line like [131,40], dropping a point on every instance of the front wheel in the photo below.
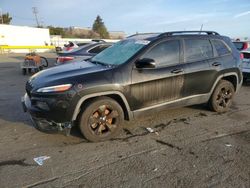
[222,96]
[101,119]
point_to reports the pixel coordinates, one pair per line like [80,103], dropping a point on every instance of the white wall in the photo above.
[30,36]
[23,36]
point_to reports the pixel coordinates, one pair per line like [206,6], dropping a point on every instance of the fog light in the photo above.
[42,105]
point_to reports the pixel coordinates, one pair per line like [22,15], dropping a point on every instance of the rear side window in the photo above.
[197,50]
[98,49]
[165,53]
[220,47]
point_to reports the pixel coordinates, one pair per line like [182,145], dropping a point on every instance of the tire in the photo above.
[29,70]
[24,71]
[44,126]
[95,124]
[222,97]
[44,61]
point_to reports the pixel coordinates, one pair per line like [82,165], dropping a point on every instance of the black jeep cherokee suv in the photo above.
[141,74]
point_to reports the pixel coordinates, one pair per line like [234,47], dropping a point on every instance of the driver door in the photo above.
[164,82]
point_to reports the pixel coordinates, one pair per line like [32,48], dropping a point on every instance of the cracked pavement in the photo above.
[190,147]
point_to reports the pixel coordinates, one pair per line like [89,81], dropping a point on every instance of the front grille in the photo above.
[28,88]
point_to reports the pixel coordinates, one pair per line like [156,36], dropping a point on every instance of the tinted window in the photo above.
[98,49]
[220,47]
[197,50]
[165,53]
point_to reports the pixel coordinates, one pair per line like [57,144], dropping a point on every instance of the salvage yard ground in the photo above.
[191,147]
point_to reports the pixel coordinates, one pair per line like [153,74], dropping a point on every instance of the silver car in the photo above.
[82,53]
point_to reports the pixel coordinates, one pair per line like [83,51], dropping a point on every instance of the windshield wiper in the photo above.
[98,62]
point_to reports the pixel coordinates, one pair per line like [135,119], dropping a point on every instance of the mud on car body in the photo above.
[139,75]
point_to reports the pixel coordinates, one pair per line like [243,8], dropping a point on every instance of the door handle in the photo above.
[216,64]
[177,71]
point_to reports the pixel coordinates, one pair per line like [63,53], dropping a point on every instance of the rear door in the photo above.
[198,73]
[163,83]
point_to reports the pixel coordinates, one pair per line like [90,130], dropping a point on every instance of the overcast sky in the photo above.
[229,17]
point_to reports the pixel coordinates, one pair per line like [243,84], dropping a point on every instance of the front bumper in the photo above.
[53,118]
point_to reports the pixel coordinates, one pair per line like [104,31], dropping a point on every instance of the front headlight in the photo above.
[58,88]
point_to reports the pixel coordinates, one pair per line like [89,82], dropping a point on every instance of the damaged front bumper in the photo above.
[40,118]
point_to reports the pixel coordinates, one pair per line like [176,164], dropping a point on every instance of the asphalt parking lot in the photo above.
[191,147]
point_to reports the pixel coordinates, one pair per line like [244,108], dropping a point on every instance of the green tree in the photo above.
[100,28]
[55,30]
[5,18]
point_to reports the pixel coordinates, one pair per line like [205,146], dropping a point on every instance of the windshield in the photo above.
[120,52]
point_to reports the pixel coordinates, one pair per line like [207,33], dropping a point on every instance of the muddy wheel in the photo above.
[24,71]
[222,96]
[101,119]
[44,126]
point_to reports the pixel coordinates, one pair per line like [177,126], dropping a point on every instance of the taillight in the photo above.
[241,56]
[245,46]
[64,59]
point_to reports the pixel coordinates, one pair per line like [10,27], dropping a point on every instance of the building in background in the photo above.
[24,36]
[11,35]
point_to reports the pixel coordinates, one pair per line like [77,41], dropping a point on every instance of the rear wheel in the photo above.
[222,96]
[101,119]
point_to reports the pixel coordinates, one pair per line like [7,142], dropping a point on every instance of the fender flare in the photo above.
[84,98]
[225,75]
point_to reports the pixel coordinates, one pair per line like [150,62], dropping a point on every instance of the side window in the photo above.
[197,50]
[220,47]
[98,49]
[165,53]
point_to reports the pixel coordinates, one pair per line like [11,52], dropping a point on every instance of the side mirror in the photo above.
[145,63]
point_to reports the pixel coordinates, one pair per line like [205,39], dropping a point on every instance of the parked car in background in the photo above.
[246,64]
[242,45]
[82,53]
[244,48]
[70,46]
[138,76]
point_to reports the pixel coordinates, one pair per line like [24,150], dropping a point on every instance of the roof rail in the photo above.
[188,32]
[141,34]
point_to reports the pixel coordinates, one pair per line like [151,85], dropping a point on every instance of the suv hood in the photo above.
[64,74]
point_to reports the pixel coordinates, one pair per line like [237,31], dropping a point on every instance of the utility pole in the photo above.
[201,27]
[35,12]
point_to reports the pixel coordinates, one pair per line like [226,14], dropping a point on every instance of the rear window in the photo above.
[220,47]
[197,50]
